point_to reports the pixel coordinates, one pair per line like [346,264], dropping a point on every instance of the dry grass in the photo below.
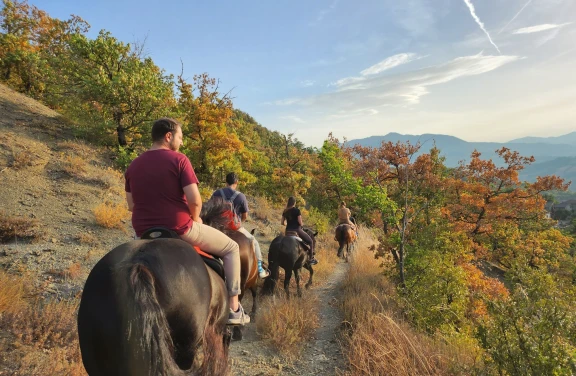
[111,215]
[12,291]
[17,227]
[44,339]
[22,159]
[73,271]
[287,324]
[264,210]
[86,238]
[76,146]
[326,253]
[74,165]
[378,341]
[113,180]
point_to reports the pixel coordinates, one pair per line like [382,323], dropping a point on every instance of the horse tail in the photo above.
[215,349]
[341,234]
[274,266]
[148,330]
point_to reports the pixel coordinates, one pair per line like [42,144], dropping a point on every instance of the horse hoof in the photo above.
[237,334]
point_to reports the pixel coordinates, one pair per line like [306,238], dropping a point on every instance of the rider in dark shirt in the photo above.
[292,218]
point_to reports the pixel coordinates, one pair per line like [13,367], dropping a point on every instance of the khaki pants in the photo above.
[218,244]
[253,240]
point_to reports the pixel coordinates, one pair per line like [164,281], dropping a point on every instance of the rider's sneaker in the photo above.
[263,273]
[238,317]
[312,261]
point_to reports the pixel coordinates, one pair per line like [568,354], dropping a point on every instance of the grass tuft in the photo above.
[287,324]
[17,227]
[111,215]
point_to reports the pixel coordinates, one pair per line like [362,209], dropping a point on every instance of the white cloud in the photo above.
[307,83]
[389,63]
[384,65]
[295,119]
[539,28]
[375,91]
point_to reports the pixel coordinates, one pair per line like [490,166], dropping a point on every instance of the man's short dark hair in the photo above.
[163,126]
[231,178]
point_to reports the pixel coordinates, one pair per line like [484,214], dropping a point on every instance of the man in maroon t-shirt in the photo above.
[162,191]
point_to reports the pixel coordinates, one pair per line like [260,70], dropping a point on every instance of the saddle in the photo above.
[294,235]
[215,263]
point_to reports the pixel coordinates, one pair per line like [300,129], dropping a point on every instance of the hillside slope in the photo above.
[54,181]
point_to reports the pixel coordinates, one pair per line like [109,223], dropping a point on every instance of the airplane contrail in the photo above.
[516,16]
[473,13]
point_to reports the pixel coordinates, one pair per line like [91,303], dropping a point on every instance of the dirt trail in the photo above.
[322,355]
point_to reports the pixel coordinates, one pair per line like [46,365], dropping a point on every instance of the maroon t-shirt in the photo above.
[156,179]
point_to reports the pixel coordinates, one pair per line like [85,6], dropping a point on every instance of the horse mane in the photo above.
[212,213]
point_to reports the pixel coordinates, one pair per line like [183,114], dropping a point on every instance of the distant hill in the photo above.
[564,167]
[551,158]
[569,139]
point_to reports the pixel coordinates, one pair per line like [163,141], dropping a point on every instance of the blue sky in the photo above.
[481,70]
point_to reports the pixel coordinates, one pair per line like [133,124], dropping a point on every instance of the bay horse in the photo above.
[288,253]
[345,236]
[212,212]
[146,308]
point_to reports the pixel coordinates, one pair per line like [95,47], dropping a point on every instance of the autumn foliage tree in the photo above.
[33,47]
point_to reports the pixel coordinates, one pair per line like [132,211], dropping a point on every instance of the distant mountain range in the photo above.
[554,155]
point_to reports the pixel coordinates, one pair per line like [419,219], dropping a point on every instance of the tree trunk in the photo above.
[120,129]
[121,136]
[401,265]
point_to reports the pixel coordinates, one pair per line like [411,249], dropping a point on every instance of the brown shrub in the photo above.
[17,227]
[111,215]
[12,291]
[21,159]
[58,361]
[45,324]
[45,339]
[287,324]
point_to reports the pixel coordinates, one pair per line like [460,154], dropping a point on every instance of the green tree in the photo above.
[120,91]
[534,332]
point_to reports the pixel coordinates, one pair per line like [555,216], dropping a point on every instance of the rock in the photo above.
[244,352]
[279,366]
[53,240]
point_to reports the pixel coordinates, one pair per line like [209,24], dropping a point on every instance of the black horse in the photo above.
[288,253]
[146,308]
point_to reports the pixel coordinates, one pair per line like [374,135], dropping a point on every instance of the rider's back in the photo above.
[343,213]
[156,179]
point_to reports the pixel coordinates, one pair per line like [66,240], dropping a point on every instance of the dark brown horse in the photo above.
[148,305]
[345,236]
[288,253]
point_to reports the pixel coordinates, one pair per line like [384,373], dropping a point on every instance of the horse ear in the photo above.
[316,233]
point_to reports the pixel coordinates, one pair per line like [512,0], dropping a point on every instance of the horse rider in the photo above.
[344,217]
[240,204]
[292,218]
[176,204]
